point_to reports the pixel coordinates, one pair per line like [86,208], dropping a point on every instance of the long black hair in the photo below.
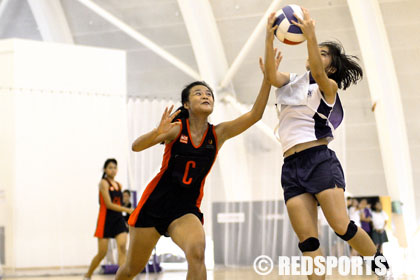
[347,69]
[185,97]
[107,162]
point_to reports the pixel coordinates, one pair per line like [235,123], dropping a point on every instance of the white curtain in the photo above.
[244,211]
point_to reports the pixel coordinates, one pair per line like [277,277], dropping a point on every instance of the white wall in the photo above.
[7,145]
[68,104]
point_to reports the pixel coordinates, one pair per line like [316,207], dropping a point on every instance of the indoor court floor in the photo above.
[217,274]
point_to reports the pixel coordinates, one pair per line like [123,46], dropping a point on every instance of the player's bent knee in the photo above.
[122,249]
[309,245]
[350,233]
[196,252]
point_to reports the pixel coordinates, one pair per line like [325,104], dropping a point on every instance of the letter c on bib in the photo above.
[187,169]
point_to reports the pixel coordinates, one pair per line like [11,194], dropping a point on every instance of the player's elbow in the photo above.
[256,116]
[135,148]
[259,117]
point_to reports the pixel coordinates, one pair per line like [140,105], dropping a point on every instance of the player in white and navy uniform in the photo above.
[306,118]
[310,111]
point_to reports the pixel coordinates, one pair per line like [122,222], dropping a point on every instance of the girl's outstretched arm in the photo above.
[229,129]
[232,128]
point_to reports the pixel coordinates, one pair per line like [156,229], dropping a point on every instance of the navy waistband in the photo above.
[305,152]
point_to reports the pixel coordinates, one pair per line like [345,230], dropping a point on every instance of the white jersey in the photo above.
[378,220]
[305,115]
[354,215]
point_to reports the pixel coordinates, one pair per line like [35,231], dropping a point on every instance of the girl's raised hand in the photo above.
[277,61]
[270,28]
[166,123]
[307,24]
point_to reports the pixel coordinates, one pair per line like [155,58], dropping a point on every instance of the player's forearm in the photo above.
[145,141]
[270,68]
[315,62]
[118,208]
[258,108]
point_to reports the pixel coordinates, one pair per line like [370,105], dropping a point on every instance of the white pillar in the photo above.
[51,21]
[384,90]
[205,39]
[212,64]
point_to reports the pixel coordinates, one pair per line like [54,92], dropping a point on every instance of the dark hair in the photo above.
[185,97]
[127,191]
[347,69]
[374,206]
[107,162]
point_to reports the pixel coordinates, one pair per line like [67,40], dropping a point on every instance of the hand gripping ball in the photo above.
[287,32]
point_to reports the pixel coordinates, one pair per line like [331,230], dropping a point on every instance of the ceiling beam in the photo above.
[51,20]
[205,39]
[140,38]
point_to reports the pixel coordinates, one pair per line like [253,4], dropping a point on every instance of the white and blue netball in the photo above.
[287,32]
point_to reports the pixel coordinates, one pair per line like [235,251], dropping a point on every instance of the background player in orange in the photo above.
[170,204]
[111,223]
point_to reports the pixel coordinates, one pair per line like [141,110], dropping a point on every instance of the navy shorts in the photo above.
[161,224]
[311,171]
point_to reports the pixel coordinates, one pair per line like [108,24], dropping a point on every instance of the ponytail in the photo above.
[184,114]
[347,68]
